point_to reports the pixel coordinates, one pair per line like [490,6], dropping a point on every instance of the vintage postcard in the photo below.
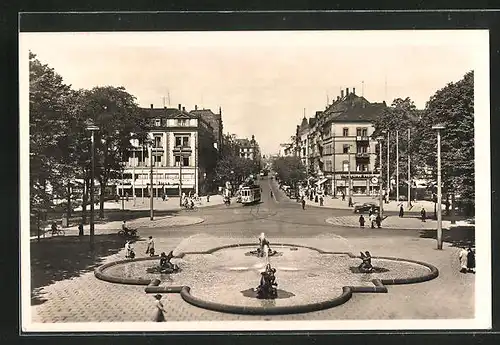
[255,180]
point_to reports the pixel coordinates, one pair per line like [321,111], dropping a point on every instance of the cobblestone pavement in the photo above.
[84,298]
[391,222]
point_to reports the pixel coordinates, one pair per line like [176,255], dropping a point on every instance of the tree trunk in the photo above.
[68,206]
[101,199]
[453,208]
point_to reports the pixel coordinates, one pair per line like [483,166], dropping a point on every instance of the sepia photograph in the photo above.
[254,180]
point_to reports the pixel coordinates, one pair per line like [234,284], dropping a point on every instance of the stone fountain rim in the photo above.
[379,285]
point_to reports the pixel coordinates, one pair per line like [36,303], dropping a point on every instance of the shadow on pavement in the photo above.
[66,257]
[460,236]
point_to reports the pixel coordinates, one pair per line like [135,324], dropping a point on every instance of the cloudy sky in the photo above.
[262,80]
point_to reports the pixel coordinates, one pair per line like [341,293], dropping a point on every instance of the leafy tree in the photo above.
[232,167]
[117,115]
[290,170]
[452,106]
[400,116]
[50,119]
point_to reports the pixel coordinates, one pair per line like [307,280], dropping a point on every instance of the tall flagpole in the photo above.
[409,175]
[397,166]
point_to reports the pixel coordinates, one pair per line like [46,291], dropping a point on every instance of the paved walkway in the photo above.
[140,223]
[172,204]
[391,222]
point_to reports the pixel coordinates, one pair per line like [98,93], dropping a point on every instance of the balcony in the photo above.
[362,138]
[362,155]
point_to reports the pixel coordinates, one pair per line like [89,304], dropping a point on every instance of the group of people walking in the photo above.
[374,219]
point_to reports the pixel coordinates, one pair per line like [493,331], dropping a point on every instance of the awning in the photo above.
[320,182]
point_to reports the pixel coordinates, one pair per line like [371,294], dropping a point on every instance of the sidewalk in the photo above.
[391,222]
[172,204]
[330,202]
[113,227]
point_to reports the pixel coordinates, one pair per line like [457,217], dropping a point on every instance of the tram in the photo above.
[250,194]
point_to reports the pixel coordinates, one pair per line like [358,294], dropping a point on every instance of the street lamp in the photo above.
[380,201]
[181,153]
[151,211]
[438,129]
[92,128]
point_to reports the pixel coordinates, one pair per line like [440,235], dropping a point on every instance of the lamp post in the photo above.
[123,194]
[380,201]
[151,215]
[438,129]
[92,128]
[349,170]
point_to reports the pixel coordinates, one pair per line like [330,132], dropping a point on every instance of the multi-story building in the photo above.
[214,120]
[342,155]
[249,149]
[182,155]
[286,150]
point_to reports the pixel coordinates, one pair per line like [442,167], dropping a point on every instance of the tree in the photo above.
[452,106]
[232,167]
[290,170]
[400,116]
[119,119]
[50,120]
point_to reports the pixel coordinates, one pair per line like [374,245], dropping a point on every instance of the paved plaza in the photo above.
[65,289]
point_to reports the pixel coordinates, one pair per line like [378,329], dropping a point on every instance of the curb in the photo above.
[389,228]
[379,285]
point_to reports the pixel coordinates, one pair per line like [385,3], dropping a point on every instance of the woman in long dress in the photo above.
[159,316]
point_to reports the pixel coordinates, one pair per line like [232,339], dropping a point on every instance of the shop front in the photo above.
[362,184]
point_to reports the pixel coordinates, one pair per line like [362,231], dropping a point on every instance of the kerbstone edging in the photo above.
[379,285]
[330,221]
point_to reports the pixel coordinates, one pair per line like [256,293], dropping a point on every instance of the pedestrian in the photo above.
[372,218]
[361,221]
[370,211]
[401,211]
[163,196]
[208,197]
[316,198]
[462,258]
[350,204]
[151,246]
[321,200]
[303,203]
[471,260]
[80,229]
[343,196]
[422,214]
[129,251]
[160,310]
[126,196]
[378,220]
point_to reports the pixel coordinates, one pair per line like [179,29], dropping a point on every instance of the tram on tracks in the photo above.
[250,194]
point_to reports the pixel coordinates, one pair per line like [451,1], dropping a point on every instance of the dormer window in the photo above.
[157,122]
[182,122]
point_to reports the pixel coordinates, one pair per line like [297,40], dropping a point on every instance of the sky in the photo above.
[264,81]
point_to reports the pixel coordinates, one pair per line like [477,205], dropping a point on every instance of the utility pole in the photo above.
[397,166]
[151,217]
[438,128]
[133,174]
[349,170]
[409,175]
[388,169]
[380,202]
[123,193]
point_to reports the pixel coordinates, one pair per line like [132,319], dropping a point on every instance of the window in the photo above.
[157,122]
[185,161]
[328,165]
[358,132]
[345,165]
[182,122]
[157,141]
[345,132]
[182,140]
[364,132]
[361,167]
[362,149]
[345,148]
[157,160]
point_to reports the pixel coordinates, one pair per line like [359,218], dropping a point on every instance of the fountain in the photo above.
[366,265]
[165,266]
[267,287]
[264,250]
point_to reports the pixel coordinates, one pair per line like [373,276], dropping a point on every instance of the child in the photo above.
[159,316]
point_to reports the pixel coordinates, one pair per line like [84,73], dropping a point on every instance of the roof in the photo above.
[169,113]
[367,113]
[205,112]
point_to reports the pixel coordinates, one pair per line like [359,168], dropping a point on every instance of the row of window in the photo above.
[180,140]
[158,161]
[345,166]
[168,176]
[178,122]
[360,132]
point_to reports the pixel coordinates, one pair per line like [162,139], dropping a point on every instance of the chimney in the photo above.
[338,98]
[341,93]
[354,90]
[151,105]
[183,108]
[346,91]
[195,107]
[180,106]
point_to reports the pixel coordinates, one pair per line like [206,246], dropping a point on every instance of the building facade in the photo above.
[341,153]
[181,156]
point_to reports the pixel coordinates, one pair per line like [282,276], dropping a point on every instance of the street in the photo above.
[80,297]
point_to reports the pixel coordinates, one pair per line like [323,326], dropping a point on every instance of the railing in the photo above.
[362,154]
[362,138]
